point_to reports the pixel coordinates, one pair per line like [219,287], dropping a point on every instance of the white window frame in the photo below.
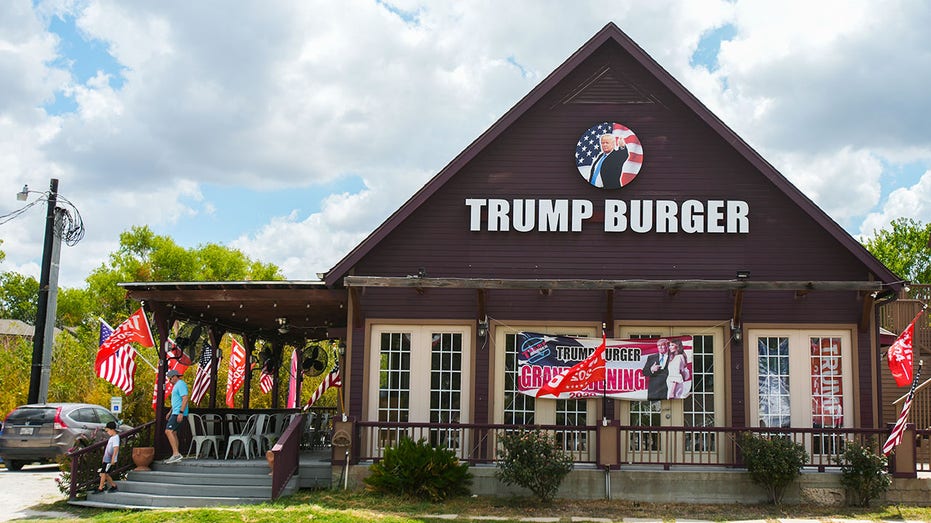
[800,397]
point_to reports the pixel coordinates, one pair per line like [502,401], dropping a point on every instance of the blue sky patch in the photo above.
[83,57]
[231,219]
[710,44]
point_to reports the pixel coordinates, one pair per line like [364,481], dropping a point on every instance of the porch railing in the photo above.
[85,461]
[286,452]
[642,446]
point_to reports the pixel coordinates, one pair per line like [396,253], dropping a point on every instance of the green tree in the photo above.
[904,249]
[146,256]
[19,297]
[141,256]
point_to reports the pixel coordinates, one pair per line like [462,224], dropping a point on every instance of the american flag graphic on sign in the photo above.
[589,157]
[120,368]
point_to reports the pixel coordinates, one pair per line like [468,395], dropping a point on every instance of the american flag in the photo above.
[266,381]
[332,379]
[120,368]
[134,328]
[899,429]
[204,376]
[173,364]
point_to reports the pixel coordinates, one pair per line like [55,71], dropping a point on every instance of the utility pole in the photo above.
[44,334]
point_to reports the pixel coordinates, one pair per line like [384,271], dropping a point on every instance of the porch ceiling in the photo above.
[312,311]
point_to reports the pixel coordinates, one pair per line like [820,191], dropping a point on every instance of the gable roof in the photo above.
[610,33]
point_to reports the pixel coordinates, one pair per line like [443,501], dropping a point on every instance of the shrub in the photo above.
[863,472]
[773,461]
[421,471]
[532,460]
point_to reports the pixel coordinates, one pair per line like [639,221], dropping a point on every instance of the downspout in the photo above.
[881,299]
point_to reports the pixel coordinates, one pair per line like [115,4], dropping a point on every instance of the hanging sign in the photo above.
[643,369]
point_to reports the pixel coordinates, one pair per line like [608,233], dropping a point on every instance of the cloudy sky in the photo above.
[292,129]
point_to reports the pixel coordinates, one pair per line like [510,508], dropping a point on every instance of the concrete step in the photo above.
[140,500]
[191,487]
[215,466]
[205,483]
[194,477]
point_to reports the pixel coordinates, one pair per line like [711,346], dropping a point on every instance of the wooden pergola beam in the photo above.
[579,284]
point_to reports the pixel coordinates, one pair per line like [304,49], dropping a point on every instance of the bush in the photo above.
[864,472]
[531,460]
[421,471]
[773,461]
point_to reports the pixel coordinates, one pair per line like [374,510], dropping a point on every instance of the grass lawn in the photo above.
[338,506]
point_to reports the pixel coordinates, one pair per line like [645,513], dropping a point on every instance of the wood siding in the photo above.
[684,160]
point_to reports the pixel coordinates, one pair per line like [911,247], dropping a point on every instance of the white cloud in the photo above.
[306,95]
[911,202]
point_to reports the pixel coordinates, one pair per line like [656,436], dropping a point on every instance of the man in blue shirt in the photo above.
[179,409]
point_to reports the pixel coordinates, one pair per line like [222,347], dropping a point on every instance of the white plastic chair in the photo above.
[246,439]
[199,437]
[214,424]
[273,430]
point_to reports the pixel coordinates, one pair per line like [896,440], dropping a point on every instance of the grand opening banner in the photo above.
[642,369]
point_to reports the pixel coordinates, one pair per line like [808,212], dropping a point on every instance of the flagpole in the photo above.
[604,383]
[138,353]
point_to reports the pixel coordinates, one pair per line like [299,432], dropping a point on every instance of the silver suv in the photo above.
[44,432]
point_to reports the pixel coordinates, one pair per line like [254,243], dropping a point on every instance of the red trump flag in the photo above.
[134,329]
[237,371]
[580,375]
[900,354]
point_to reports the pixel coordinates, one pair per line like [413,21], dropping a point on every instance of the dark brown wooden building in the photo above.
[708,239]
[683,229]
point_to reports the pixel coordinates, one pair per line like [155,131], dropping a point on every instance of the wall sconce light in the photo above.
[736,330]
[421,272]
[283,326]
[342,348]
[483,327]
[743,275]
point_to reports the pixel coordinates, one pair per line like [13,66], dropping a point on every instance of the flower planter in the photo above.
[143,457]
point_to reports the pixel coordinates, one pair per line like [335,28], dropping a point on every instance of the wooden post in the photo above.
[903,459]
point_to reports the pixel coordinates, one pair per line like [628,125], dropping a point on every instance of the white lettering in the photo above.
[581,210]
[615,216]
[692,217]
[715,215]
[737,220]
[475,213]
[498,215]
[666,216]
[554,215]
[640,216]
[524,215]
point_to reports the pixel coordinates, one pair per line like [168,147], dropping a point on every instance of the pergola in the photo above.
[278,312]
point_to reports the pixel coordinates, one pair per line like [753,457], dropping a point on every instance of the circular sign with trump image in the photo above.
[608,155]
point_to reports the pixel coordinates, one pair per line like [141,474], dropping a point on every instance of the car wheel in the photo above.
[15,465]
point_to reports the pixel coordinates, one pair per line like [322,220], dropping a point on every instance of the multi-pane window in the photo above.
[645,414]
[422,377]
[445,387]
[827,392]
[773,381]
[698,408]
[572,413]
[394,377]
[518,408]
